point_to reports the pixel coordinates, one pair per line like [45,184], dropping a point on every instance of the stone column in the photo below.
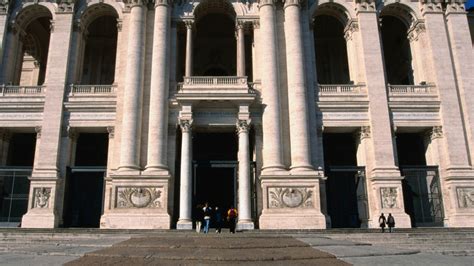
[298,110]
[129,155]
[189,48]
[245,216]
[271,118]
[10,48]
[158,117]
[76,60]
[46,180]
[185,190]
[240,49]
[385,179]
[450,65]
[3,26]
[4,146]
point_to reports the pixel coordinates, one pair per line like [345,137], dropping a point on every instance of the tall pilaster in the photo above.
[297,96]
[46,180]
[240,49]
[133,91]
[245,217]
[271,118]
[381,169]
[189,48]
[185,189]
[159,89]
[454,92]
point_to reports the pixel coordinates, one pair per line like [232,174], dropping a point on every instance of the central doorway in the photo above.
[215,169]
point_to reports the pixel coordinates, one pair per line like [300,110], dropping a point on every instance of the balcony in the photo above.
[92,90]
[10,90]
[411,90]
[341,89]
[215,88]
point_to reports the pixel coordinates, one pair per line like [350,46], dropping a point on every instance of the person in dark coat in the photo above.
[198,216]
[382,222]
[390,222]
[218,219]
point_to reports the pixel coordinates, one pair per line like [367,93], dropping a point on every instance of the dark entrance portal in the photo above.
[215,184]
[215,169]
[345,183]
[85,181]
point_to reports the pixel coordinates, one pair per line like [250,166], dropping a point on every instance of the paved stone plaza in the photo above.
[120,247]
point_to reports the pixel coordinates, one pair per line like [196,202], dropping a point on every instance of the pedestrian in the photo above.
[198,216]
[218,219]
[207,217]
[390,222]
[231,218]
[382,221]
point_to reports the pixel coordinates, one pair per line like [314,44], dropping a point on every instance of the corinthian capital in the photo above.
[163,2]
[297,3]
[266,2]
[186,125]
[3,7]
[243,125]
[132,3]
[365,6]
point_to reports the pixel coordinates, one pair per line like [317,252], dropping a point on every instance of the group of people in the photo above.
[205,216]
[389,221]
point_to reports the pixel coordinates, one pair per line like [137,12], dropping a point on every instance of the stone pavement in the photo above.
[316,247]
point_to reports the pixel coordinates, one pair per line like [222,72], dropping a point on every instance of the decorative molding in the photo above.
[365,6]
[352,26]
[4,7]
[436,132]
[188,23]
[389,197]
[139,197]
[256,24]
[185,125]
[431,6]
[38,130]
[456,7]
[41,197]
[65,6]
[415,30]
[243,126]
[111,131]
[365,132]
[290,197]
[465,197]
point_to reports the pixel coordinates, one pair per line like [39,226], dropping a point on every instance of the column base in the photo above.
[39,220]
[292,220]
[184,225]
[291,201]
[135,221]
[245,225]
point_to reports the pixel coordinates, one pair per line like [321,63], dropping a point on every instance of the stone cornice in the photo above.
[431,7]
[455,7]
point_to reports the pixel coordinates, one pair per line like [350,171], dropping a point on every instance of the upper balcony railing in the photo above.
[426,89]
[341,89]
[92,90]
[213,84]
[15,90]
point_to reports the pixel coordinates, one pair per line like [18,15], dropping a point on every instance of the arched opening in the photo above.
[396,51]
[100,51]
[30,55]
[331,51]
[215,49]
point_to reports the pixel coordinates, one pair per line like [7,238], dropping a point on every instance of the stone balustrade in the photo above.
[15,90]
[410,89]
[213,84]
[92,89]
[340,89]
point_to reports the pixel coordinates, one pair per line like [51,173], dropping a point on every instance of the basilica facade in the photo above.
[304,114]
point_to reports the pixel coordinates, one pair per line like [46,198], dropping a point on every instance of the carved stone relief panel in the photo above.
[41,197]
[290,197]
[139,197]
[465,197]
[389,197]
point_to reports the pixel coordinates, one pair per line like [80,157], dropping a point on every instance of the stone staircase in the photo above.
[452,242]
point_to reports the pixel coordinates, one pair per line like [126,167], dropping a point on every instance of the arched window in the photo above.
[396,51]
[331,51]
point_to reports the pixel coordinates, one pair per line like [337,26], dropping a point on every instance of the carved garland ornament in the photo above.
[389,197]
[138,197]
[465,197]
[42,196]
[291,197]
